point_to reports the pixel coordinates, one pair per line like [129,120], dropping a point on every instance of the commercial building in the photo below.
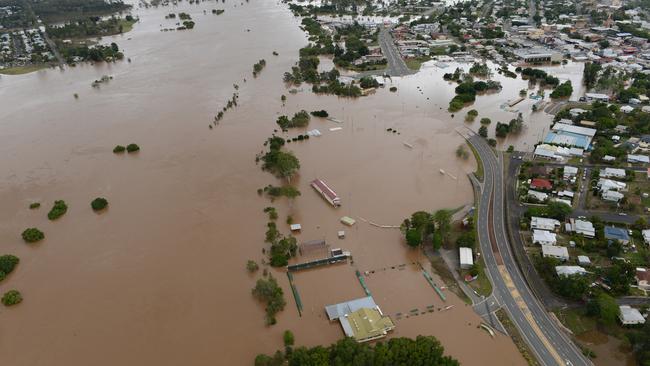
[554,251]
[570,135]
[361,319]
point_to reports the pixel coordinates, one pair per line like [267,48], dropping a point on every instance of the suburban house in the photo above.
[583,227]
[539,196]
[541,183]
[646,236]
[583,260]
[554,251]
[612,173]
[617,234]
[630,316]
[612,196]
[642,276]
[544,237]
[569,172]
[564,271]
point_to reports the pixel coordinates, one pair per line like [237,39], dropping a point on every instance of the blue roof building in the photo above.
[616,233]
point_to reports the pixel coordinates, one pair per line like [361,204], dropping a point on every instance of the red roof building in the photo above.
[539,183]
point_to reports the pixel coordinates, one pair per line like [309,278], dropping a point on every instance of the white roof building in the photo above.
[583,227]
[608,158]
[630,316]
[542,223]
[540,196]
[583,260]
[570,172]
[611,185]
[565,193]
[554,251]
[564,271]
[612,173]
[642,159]
[544,237]
[612,196]
[466,257]
[646,235]
[566,202]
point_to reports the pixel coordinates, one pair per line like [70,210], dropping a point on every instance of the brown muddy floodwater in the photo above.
[159,277]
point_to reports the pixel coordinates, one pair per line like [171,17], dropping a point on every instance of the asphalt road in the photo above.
[548,343]
[396,65]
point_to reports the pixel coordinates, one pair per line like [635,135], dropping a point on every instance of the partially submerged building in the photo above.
[361,319]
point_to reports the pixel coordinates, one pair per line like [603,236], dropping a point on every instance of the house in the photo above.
[640,159]
[544,237]
[590,97]
[610,185]
[554,251]
[466,257]
[541,183]
[361,319]
[582,227]
[642,277]
[616,233]
[565,271]
[627,109]
[630,316]
[612,173]
[566,194]
[583,260]
[566,202]
[539,196]
[569,172]
[608,158]
[558,153]
[646,236]
[542,223]
[612,196]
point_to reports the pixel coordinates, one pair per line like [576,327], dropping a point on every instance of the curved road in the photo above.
[543,335]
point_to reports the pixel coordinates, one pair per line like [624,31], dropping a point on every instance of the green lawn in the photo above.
[576,320]
[19,70]
[414,63]
[479,163]
[482,284]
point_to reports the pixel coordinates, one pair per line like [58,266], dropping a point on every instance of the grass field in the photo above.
[19,70]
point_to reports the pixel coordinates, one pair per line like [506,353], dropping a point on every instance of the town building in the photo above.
[642,276]
[570,135]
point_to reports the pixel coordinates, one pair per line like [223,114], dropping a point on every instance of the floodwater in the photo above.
[159,277]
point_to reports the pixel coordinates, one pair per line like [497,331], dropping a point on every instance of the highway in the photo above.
[545,339]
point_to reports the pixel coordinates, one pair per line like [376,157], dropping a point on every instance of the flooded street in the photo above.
[159,277]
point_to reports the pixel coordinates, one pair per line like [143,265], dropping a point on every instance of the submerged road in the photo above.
[542,334]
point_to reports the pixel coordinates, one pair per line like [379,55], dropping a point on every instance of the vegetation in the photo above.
[368,82]
[59,209]
[251,266]
[288,338]
[471,115]
[257,68]
[119,149]
[131,148]
[461,152]
[590,73]
[281,163]
[12,297]
[485,121]
[269,292]
[563,90]
[96,53]
[32,235]
[99,203]
[418,228]
[7,264]
[300,119]
[467,90]
[284,191]
[424,350]
[34,205]
[92,27]
[322,113]
[282,248]
[556,210]
[536,75]
[483,132]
